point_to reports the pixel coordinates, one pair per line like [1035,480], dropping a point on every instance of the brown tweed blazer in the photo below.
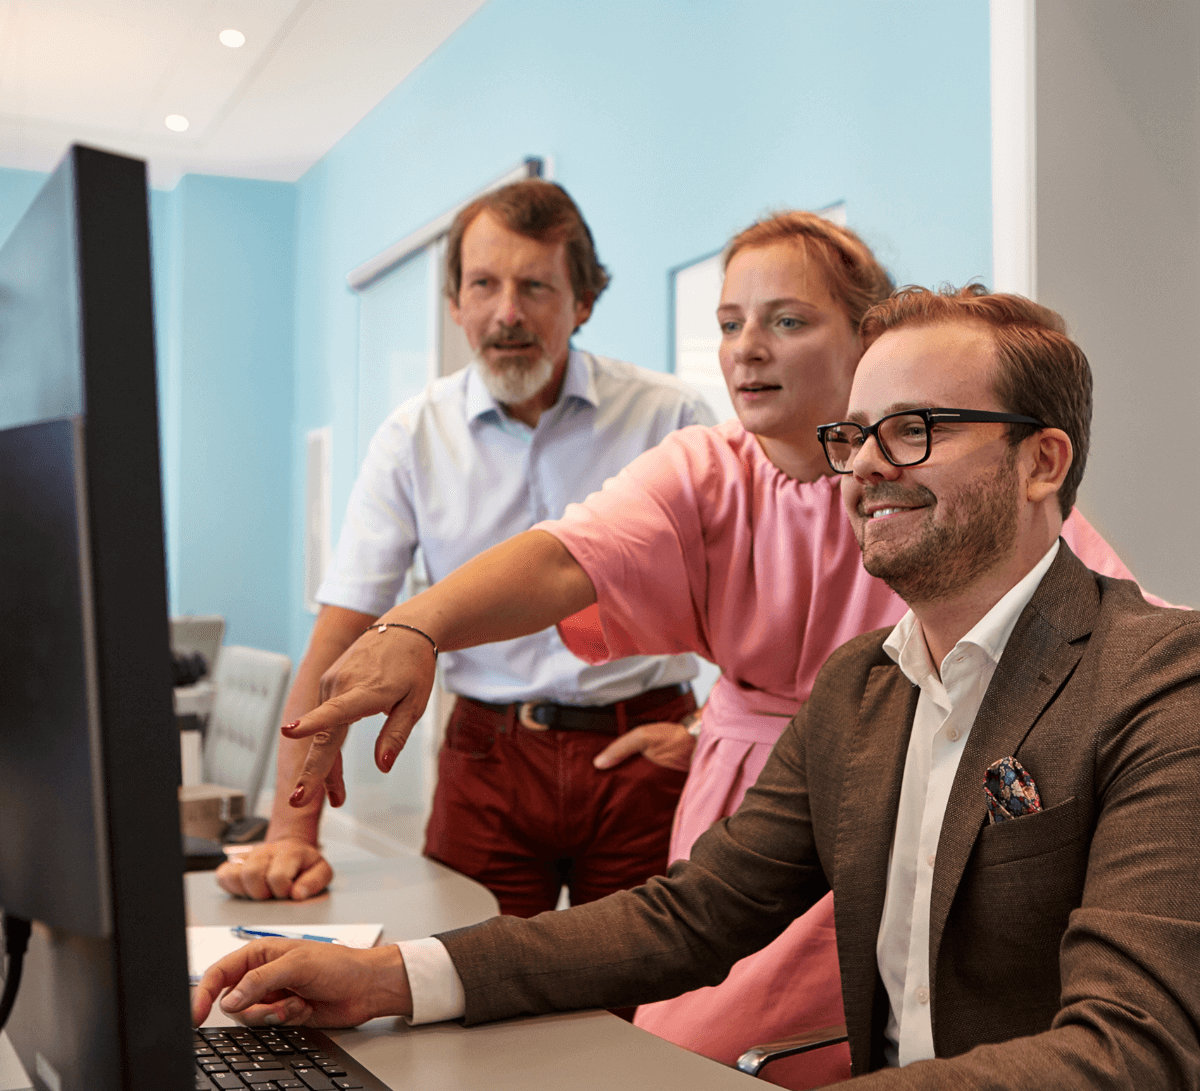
[1064,946]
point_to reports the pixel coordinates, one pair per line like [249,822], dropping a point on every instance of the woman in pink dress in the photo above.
[732,542]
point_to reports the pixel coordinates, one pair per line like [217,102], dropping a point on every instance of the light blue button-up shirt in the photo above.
[450,472]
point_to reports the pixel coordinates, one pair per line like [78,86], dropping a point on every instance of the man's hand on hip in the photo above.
[665,744]
[289,868]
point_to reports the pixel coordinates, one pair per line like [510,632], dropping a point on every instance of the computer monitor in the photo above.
[89,754]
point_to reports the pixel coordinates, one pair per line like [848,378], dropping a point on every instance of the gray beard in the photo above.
[515,385]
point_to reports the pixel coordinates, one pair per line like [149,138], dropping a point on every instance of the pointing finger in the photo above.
[323,751]
[335,783]
[340,711]
[395,731]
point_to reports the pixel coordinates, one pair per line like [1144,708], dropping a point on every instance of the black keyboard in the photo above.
[276,1059]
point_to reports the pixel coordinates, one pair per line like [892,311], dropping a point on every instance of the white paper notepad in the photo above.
[209,942]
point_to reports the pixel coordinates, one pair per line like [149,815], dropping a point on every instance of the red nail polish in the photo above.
[388,758]
[292,726]
[297,797]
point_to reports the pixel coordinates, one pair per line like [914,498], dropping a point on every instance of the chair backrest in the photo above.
[242,730]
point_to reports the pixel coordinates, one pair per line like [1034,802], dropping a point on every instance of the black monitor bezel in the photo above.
[128,1002]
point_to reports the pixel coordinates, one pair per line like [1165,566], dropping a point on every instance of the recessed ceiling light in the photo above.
[235,39]
[177,123]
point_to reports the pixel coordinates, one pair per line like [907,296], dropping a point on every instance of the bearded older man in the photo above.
[479,456]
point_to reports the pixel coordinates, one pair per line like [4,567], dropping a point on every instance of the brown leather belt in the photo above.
[605,719]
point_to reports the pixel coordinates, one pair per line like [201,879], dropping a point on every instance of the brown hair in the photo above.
[539,210]
[852,274]
[1040,371]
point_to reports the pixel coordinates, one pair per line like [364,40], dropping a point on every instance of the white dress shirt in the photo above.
[451,472]
[946,709]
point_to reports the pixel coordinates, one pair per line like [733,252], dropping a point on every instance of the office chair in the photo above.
[755,1059]
[242,729]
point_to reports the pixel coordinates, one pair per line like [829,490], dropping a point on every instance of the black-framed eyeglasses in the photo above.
[906,438]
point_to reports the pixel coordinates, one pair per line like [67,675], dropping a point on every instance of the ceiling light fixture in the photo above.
[235,39]
[177,123]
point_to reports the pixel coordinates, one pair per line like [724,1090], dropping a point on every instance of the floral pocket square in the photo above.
[1009,791]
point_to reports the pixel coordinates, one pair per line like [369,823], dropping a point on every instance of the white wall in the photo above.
[1118,253]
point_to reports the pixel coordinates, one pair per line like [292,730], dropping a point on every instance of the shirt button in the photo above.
[923,995]
[952,734]
[929,859]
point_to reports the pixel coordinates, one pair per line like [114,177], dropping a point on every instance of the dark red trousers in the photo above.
[525,812]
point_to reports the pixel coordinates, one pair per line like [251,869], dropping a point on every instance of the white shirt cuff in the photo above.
[437,991]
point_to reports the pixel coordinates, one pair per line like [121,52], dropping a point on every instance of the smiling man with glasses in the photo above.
[1000,790]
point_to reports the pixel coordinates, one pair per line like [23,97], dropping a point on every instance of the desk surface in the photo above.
[374,880]
[413,897]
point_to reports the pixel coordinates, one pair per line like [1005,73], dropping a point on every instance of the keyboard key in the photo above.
[228,1081]
[262,1087]
[347,1084]
[314,1079]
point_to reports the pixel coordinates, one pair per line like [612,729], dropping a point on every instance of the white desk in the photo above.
[375,879]
[413,897]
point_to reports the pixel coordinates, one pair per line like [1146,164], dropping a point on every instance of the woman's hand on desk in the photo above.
[279,981]
[289,868]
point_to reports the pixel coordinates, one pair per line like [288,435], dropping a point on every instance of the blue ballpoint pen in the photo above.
[257,933]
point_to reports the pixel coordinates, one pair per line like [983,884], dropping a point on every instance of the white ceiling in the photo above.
[107,73]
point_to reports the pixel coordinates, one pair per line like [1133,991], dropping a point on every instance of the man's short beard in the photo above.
[515,383]
[948,557]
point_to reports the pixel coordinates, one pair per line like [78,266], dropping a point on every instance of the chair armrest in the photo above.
[755,1058]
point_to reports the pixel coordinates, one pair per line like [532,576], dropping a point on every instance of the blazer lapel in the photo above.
[1040,655]
[866,824]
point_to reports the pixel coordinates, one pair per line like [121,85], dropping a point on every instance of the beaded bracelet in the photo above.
[383,626]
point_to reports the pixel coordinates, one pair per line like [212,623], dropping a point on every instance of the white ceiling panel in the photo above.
[107,72]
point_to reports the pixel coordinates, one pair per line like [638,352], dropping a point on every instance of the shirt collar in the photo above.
[906,643]
[579,381]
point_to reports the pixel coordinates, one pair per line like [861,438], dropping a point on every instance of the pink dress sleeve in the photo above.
[650,510]
[1087,544]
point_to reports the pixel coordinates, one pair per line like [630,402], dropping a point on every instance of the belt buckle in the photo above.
[525,716]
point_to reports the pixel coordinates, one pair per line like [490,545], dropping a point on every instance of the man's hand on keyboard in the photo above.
[279,981]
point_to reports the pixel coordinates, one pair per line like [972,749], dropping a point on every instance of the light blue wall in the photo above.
[17,190]
[673,124]
[227,400]
[224,266]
